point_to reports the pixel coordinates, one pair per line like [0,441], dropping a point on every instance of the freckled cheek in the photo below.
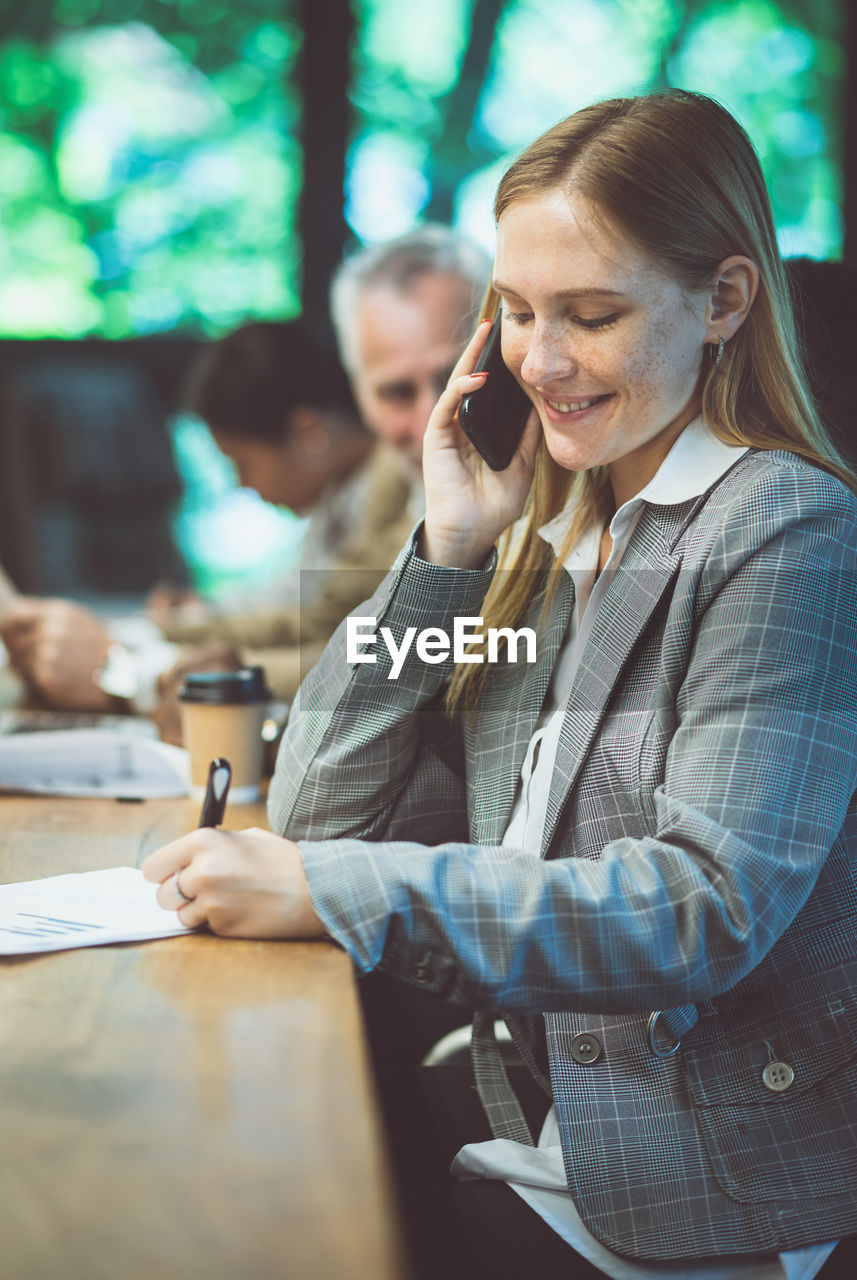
[514,352]
[672,358]
[635,375]
[652,371]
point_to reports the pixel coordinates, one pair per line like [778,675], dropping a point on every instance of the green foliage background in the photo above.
[149,166]
[150,163]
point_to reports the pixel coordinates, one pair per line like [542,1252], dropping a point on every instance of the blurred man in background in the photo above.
[402,312]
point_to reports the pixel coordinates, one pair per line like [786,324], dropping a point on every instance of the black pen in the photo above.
[216,791]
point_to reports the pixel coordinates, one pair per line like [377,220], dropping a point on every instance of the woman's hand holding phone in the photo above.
[468,504]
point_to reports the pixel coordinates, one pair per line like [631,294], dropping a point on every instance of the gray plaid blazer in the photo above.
[700,855]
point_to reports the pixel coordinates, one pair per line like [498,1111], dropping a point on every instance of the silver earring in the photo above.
[718,358]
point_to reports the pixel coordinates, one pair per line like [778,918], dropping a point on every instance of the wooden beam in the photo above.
[451,156]
[324,75]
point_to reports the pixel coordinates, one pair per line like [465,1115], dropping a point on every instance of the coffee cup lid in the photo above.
[226,688]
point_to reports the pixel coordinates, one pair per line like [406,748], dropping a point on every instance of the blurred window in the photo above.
[426,145]
[148,166]
[149,175]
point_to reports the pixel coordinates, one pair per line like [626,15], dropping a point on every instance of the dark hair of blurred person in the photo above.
[278,403]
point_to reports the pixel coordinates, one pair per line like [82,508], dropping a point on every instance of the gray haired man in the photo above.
[402,311]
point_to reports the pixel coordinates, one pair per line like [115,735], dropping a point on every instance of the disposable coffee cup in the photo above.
[222,715]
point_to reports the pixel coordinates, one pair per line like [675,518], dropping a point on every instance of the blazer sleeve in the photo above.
[369,753]
[759,775]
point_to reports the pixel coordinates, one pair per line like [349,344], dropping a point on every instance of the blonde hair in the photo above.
[676,174]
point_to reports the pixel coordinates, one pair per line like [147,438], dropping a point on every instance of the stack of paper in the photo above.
[83,910]
[93,762]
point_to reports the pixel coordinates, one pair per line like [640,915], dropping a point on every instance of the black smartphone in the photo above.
[494,417]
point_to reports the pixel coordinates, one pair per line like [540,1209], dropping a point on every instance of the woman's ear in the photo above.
[731,296]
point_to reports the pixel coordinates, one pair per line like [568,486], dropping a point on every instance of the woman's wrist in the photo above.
[450,550]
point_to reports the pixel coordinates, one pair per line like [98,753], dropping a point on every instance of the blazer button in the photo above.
[777,1076]
[585,1048]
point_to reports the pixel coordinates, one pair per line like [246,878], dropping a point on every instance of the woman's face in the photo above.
[607,346]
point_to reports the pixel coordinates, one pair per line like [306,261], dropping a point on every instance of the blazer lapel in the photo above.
[637,586]
[506,719]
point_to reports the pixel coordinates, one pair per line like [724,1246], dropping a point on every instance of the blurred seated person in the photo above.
[825,303]
[402,311]
[279,405]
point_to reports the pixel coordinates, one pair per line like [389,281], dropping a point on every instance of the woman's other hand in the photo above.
[242,884]
[467,504]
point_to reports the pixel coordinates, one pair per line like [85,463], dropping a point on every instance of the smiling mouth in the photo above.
[574,406]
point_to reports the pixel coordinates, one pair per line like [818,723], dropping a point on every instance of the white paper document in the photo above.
[93,762]
[83,910]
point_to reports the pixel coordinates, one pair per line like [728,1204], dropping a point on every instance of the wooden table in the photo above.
[191,1107]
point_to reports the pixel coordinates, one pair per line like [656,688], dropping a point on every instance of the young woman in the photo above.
[640,847]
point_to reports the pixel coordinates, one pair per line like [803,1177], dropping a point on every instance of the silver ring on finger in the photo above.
[177,889]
